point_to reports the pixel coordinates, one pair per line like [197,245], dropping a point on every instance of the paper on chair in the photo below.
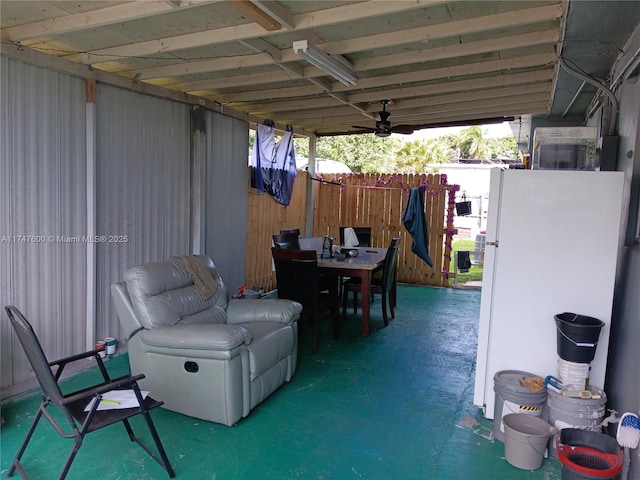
[350,238]
[117,399]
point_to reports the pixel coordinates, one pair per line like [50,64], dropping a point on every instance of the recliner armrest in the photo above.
[199,336]
[267,310]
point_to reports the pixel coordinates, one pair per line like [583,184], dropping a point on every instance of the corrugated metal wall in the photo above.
[133,189]
[143,188]
[43,204]
[226,196]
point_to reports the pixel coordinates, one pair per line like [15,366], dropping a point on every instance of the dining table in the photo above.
[368,261]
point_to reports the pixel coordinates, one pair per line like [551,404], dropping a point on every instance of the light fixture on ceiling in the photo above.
[336,66]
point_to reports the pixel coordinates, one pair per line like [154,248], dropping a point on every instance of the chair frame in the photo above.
[364,240]
[286,241]
[291,230]
[309,294]
[72,405]
[383,287]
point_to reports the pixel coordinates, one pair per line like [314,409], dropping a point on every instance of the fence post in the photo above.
[449,232]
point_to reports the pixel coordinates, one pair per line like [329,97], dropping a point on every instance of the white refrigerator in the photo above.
[551,247]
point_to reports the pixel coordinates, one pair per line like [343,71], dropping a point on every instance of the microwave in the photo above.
[572,148]
[560,156]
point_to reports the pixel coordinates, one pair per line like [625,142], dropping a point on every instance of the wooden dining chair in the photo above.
[287,241]
[363,234]
[364,240]
[298,279]
[379,285]
[81,412]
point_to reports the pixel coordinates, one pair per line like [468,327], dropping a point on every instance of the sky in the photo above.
[489,131]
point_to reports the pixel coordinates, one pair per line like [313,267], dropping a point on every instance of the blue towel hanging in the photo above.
[414,221]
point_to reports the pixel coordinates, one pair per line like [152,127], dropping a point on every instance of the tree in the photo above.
[472,144]
[367,153]
[503,147]
[413,156]
[362,153]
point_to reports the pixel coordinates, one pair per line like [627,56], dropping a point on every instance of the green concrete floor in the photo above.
[395,405]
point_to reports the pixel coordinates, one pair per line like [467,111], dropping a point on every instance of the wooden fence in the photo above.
[355,200]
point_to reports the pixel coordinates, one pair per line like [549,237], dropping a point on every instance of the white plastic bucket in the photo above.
[574,376]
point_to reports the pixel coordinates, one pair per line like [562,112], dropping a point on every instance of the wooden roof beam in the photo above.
[94,19]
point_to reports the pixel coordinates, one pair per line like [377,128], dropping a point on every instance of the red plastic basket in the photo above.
[589,461]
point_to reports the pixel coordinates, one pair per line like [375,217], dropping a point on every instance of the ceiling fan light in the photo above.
[336,66]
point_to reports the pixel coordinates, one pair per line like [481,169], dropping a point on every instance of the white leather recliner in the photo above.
[213,359]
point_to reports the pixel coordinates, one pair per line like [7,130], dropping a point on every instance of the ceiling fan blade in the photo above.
[404,129]
[367,129]
[463,123]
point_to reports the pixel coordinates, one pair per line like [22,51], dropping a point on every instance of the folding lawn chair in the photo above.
[72,405]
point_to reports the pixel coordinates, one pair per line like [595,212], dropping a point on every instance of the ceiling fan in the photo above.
[383,126]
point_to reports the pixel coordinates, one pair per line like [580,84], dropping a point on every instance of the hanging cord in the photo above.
[381,183]
[600,86]
[315,179]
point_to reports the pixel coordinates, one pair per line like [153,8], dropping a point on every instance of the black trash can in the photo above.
[577,337]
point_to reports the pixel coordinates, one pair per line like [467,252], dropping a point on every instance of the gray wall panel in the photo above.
[143,188]
[623,380]
[6,376]
[43,210]
[226,196]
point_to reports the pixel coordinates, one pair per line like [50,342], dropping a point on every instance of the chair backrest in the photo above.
[390,263]
[297,275]
[291,230]
[311,243]
[38,361]
[363,234]
[124,308]
[164,294]
[287,241]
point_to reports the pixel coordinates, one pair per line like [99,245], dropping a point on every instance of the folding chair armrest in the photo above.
[103,388]
[73,358]
[63,362]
